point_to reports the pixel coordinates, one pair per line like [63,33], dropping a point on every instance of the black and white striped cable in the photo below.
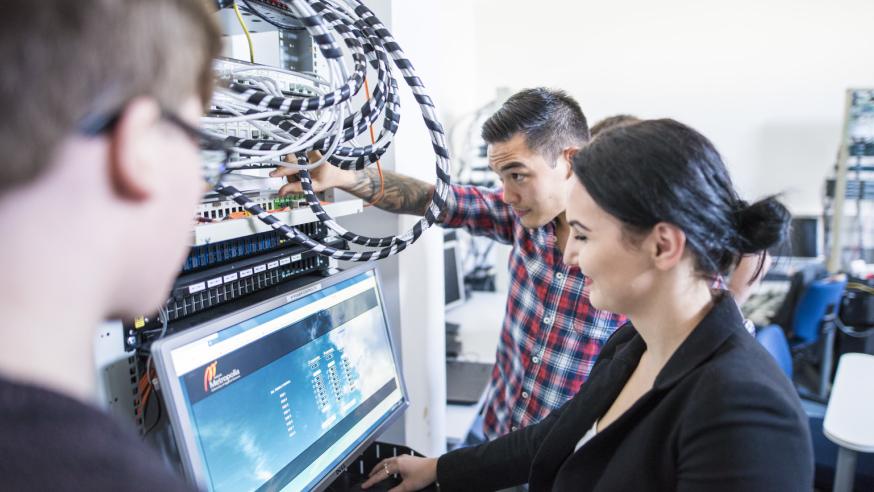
[299,124]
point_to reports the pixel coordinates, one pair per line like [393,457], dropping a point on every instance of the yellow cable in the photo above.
[246,32]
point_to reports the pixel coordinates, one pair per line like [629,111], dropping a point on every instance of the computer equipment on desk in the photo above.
[765,301]
[466,381]
[453,340]
[453,276]
[283,395]
[802,248]
[454,293]
[452,329]
[801,252]
[805,236]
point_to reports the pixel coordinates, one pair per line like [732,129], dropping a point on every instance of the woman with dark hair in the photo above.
[681,397]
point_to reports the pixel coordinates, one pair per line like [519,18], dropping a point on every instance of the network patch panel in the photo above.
[198,292]
[290,84]
[239,129]
[213,254]
[201,295]
[294,85]
[236,273]
[855,190]
[223,230]
[213,210]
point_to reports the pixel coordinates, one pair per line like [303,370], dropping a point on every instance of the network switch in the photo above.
[213,254]
[200,291]
[216,209]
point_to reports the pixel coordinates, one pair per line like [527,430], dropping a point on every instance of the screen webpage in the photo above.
[280,399]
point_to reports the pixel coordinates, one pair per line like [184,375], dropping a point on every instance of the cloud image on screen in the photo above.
[238,431]
[363,341]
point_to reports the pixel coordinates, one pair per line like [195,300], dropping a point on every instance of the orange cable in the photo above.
[379,195]
[145,389]
[145,400]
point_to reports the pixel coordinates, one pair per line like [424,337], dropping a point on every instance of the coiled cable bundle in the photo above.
[326,122]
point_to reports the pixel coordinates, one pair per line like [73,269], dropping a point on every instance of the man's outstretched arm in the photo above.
[401,194]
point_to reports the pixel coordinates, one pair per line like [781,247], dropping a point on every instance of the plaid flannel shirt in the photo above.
[551,334]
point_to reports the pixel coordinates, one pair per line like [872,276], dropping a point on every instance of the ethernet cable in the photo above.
[361,126]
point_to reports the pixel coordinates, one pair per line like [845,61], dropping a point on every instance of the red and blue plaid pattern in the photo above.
[551,334]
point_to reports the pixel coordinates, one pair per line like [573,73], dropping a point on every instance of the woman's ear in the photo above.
[132,156]
[668,243]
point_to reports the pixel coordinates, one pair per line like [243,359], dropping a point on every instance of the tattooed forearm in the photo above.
[402,194]
[366,185]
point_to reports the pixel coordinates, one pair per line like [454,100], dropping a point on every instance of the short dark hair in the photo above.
[664,171]
[550,119]
[64,60]
[612,122]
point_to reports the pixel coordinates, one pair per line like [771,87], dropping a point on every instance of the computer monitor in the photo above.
[453,277]
[282,394]
[805,238]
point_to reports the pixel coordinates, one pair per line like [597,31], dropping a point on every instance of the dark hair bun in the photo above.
[761,225]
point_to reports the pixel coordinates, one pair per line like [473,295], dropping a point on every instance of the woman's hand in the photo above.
[417,473]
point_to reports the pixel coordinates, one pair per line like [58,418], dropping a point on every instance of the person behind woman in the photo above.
[681,397]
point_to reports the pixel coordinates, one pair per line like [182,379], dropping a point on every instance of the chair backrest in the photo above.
[821,298]
[774,340]
[798,282]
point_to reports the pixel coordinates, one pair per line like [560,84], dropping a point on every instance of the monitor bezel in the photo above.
[180,419]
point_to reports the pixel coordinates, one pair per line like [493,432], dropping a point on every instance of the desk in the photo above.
[849,418]
[479,320]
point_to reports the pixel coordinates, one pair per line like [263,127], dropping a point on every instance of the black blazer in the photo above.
[721,416]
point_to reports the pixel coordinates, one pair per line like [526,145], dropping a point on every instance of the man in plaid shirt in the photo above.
[551,334]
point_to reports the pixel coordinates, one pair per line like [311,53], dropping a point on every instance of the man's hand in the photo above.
[417,473]
[391,192]
[324,177]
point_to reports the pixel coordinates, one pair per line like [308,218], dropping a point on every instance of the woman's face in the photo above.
[619,273]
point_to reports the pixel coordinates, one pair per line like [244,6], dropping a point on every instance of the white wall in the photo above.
[456,59]
[421,265]
[764,80]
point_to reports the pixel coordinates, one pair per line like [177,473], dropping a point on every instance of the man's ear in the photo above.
[131,151]
[667,245]
[567,155]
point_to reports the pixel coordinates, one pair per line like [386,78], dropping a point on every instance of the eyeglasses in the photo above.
[215,152]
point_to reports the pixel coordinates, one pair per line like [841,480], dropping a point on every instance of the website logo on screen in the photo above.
[214,380]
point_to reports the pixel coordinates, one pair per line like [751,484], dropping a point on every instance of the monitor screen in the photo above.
[804,239]
[453,281]
[279,395]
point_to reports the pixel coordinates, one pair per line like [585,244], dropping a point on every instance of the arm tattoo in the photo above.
[402,195]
